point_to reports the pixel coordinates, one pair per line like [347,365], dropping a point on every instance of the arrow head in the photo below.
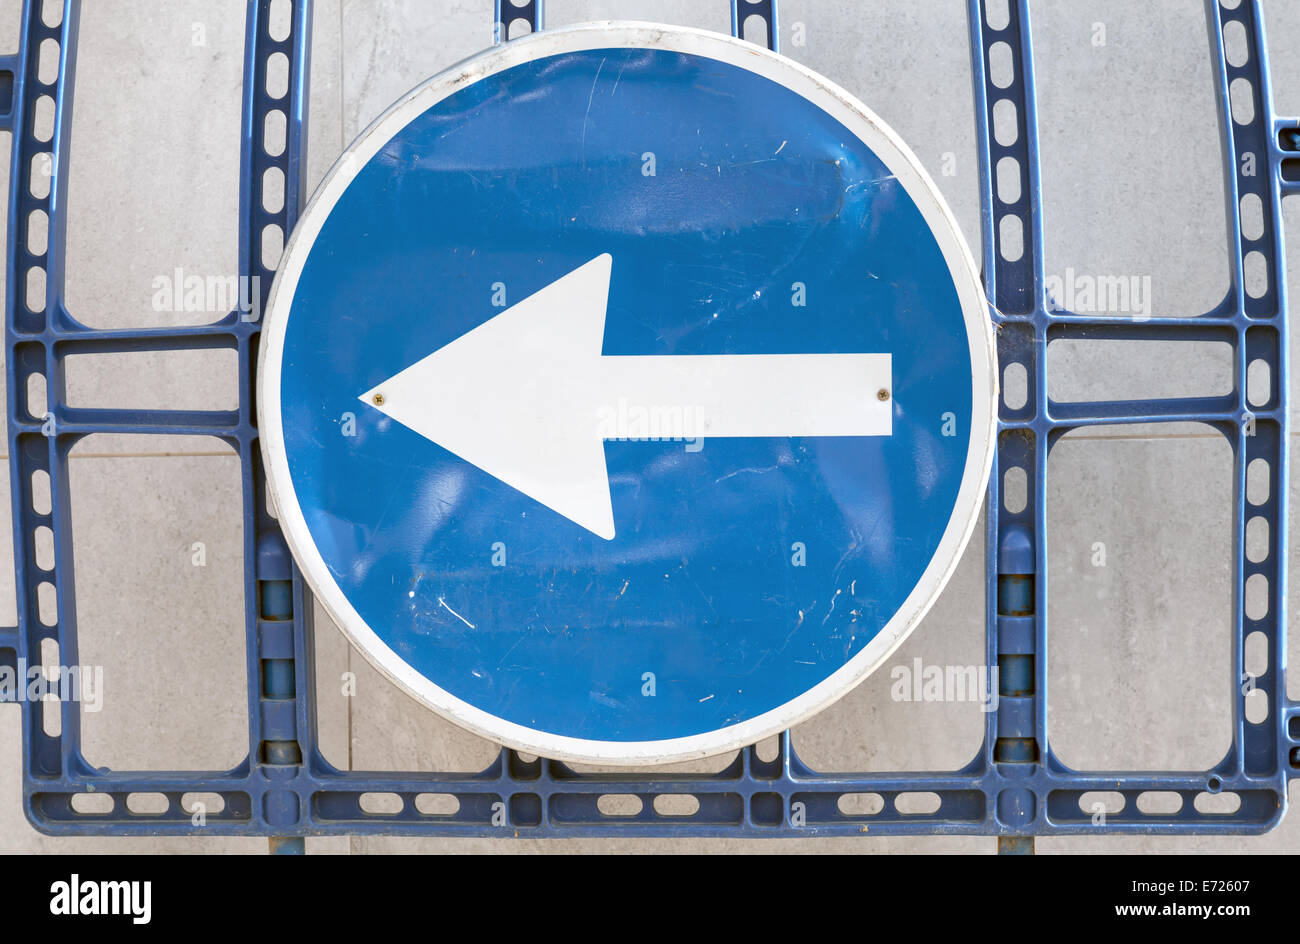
[517,397]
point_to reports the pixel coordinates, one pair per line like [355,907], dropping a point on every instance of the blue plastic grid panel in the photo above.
[1014,787]
[509,13]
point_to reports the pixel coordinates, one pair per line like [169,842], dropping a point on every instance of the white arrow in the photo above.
[528,397]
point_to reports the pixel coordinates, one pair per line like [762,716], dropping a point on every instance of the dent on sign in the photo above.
[652,457]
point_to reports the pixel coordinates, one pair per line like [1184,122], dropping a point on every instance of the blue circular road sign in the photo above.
[627,393]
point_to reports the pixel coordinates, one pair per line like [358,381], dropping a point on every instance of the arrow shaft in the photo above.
[726,395]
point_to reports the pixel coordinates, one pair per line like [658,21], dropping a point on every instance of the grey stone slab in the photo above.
[158,100]
[158,557]
[154,380]
[1119,200]
[10,13]
[1086,370]
[325,132]
[1140,603]
[1282,30]
[333,707]
[8,580]
[701,15]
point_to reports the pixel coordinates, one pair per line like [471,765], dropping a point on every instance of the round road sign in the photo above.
[627,393]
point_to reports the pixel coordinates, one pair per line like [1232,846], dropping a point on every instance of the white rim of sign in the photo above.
[821,93]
